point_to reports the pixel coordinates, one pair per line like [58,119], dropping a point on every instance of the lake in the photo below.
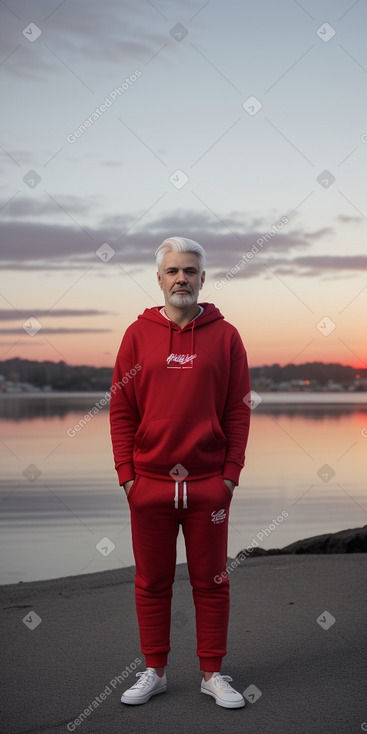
[63,513]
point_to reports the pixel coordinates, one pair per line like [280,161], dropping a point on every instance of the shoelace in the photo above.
[221,682]
[146,677]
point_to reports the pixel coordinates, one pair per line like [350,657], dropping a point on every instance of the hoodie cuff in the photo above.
[232,471]
[125,473]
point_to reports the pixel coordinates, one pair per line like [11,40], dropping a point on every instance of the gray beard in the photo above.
[182,301]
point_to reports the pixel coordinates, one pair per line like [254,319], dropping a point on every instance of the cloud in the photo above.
[349,219]
[31,244]
[122,35]
[24,208]
[7,315]
[319,233]
[36,245]
[58,331]
[314,264]
[308,266]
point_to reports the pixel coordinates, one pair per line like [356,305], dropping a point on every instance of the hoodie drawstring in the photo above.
[192,341]
[174,365]
[184,499]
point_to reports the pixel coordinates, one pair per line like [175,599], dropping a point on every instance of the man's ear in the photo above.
[159,278]
[202,279]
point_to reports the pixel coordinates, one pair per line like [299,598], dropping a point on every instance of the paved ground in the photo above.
[300,677]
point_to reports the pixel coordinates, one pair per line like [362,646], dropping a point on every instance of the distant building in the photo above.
[8,386]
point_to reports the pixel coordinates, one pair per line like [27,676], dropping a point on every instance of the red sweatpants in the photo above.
[158,507]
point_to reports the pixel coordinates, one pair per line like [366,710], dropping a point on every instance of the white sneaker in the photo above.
[223,693]
[149,684]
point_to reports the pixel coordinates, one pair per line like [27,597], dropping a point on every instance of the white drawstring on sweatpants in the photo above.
[184,501]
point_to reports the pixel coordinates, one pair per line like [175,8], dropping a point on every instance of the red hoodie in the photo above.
[177,398]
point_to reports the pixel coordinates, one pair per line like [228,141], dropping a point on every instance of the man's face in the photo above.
[179,278]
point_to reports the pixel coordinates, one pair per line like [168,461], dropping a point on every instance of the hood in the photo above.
[186,361]
[211,313]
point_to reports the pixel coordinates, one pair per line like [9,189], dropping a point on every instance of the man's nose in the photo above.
[181,277]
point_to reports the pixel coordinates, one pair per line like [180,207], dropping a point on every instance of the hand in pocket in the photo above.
[127,486]
[230,484]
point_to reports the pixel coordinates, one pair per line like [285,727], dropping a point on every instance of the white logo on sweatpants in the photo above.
[219,516]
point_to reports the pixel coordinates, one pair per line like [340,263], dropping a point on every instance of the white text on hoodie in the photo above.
[180,358]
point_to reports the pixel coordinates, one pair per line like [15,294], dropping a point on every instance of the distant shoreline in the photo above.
[267,398]
[345,542]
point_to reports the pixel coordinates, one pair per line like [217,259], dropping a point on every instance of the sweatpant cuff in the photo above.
[212,665]
[156,660]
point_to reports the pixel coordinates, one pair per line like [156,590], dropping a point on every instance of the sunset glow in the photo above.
[132,127]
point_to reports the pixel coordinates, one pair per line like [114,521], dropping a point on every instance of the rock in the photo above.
[353,540]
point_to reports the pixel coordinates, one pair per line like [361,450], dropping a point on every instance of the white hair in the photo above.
[180,244]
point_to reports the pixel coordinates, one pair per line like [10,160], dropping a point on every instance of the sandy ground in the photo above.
[296,648]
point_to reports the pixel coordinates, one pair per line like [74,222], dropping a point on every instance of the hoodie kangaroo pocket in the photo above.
[192,442]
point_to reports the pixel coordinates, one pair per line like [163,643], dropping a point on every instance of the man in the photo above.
[179,429]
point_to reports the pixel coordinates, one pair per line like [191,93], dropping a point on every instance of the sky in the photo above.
[241,125]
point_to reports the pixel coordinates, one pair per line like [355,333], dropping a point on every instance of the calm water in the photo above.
[60,496]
